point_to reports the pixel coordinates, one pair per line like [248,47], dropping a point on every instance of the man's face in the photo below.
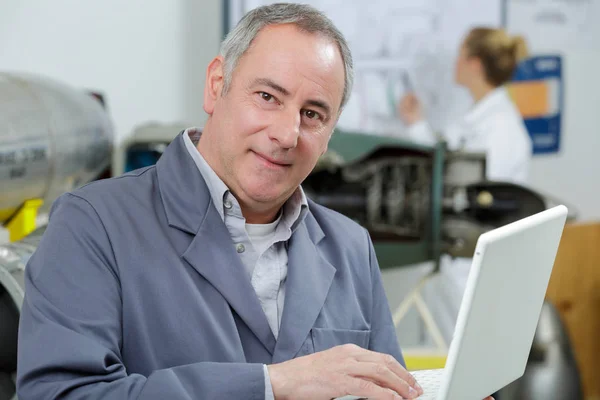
[267,132]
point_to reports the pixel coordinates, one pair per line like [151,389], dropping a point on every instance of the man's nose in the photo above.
[287,129]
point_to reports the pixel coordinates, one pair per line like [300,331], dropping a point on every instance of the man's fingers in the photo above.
[367,389]
[391,363]
[381,375]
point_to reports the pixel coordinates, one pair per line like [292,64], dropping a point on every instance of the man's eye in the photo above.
[310,114]
[266,96]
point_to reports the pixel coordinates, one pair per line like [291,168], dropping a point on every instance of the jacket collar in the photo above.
[182,188]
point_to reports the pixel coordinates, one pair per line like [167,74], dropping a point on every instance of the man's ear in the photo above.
[214,84]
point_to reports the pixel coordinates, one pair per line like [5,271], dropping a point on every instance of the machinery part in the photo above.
[144,146]
[53,138]
[551,372]
[391,195]
[13,259]
[500,203]
[387,195]
[459,236]
[464,168]
[24,221]
[480,207]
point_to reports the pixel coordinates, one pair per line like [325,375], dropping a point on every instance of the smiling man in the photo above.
[211,275]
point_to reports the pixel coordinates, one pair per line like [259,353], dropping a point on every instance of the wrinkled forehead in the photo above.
[288,54]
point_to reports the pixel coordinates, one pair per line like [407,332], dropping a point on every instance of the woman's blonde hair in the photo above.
[498,52]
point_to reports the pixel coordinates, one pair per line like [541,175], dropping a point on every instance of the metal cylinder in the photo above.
[13,259]
[53,138]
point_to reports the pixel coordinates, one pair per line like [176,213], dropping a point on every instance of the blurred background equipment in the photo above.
[407,195]
[53,138]
[13,259]
[144,146]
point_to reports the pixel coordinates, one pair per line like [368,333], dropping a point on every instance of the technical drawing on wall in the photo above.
[557,25]
[399,46]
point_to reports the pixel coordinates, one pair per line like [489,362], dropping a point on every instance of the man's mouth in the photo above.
[271,161]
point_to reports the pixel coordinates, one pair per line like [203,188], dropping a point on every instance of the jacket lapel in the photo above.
[308,282]
[212,254]
[189,208]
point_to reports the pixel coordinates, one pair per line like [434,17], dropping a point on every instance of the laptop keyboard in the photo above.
[430,380]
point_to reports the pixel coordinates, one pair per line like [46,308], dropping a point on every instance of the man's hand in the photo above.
[410,109]
[341,371]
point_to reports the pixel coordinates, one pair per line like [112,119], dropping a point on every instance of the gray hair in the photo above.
[305,17]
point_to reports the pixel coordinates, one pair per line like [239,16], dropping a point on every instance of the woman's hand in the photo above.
[410,109]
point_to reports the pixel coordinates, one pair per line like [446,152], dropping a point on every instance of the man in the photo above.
[211,275]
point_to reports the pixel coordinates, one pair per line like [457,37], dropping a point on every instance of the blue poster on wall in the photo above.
[537,89]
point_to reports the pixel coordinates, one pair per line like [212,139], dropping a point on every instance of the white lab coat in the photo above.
[495,127]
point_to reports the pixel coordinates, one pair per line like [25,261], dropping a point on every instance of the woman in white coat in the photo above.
[486,61]
[493,125]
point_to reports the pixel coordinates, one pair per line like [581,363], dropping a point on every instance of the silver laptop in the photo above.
[500,309]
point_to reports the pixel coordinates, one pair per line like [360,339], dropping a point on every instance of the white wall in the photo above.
[148,57]
[573,174]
